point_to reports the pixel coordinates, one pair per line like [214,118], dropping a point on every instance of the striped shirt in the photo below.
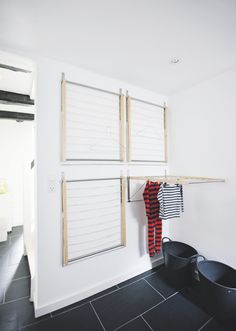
[171,201]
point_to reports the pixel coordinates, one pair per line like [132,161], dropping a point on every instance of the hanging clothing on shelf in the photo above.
[152,211]
[171,202]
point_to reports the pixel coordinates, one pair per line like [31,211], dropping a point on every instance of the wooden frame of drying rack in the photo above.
[129,100]
[120,95]
[65,256]
[171,180]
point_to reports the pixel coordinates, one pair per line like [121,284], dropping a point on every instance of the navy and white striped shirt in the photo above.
[171,201]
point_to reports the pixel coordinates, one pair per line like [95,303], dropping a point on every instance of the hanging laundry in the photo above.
[154,222]
[171,202]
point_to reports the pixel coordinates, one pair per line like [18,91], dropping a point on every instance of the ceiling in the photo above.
[131,40]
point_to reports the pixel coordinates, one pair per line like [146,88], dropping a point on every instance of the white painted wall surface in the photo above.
[57,286]
[202,143]
[15,153]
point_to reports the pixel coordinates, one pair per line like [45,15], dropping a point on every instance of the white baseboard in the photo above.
[66,301]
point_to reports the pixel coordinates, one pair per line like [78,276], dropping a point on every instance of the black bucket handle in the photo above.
[195,258]
[193,262]
[164,239]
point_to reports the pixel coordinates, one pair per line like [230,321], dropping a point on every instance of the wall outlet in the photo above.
[51,185]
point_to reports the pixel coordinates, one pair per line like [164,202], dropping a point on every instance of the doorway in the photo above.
[17,184]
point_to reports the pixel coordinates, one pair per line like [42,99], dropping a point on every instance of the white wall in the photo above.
[15,154]
[57,286]
[202,143]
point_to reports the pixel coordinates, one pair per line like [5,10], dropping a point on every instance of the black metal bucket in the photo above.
[218,288]
[178,258]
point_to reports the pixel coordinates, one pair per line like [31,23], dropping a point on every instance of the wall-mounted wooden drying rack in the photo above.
[171,180]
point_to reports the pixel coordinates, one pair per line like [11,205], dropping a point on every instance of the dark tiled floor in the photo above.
[125,304]
[176,313]
[138,324]
[16,310]
[145,302]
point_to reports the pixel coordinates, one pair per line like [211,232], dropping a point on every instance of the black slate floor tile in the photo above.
[82,302]
[16,250]
[14,315]
[160,282]
[80,319]
[7,274]
[213,326]
[18,289]
[143,275]
[176,313]
[125,304]
[2,290]
[228,325]
[192,293]
[136,325]
[22,269]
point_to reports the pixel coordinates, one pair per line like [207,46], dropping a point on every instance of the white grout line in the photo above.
[36,322]
[172,295]
[159,303]
[153,307]
[155,289]
[143,313]
[147,323]
[207,322]
[21,298]
[82,304]
[144,277]
[19,278]
[66,311]
[129,321]
[135,281]
[97,316]
[104,295]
